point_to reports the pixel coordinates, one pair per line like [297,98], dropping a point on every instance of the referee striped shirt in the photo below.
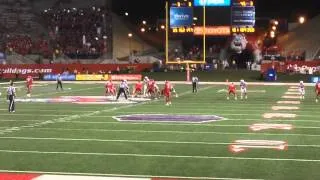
[11,91]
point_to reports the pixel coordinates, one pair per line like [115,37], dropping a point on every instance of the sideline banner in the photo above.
[90,77]
[23,70]
[128,77]
[65,77]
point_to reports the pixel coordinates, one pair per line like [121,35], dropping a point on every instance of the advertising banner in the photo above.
[65,77]
[212,2]
[128,77]
[213,30]
[181,16]
[90,77]
[37,70]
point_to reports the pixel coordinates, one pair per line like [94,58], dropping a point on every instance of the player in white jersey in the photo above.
[243,89]
[145,86]
[301,90]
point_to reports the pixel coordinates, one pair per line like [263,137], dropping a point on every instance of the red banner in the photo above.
[23,70]
[129,77]
[298,66]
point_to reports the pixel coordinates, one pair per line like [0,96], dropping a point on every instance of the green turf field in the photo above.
[86,139]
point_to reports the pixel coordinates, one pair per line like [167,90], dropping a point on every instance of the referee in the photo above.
[11,94]
[59,82]
[195,81]
[122,89]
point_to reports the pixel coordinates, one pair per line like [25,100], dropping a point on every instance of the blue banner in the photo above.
[65,77]
[212,2]
[180,17]
[314,79]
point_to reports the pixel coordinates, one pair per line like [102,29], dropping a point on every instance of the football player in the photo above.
[110,88]
[301,90]
[317,89]
[29,82]
[243,89]
[232,90]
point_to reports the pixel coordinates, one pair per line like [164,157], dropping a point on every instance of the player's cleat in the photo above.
[241,97]
[235,98]
[29,95]
[228,98]
[167,104]
[246,97]
[177,95]
[317,100]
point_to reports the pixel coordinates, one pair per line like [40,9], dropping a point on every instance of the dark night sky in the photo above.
[290,9]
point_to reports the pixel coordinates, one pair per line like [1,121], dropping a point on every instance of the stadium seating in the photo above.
[79,33]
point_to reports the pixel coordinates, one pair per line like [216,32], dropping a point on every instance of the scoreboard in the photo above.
[243,15]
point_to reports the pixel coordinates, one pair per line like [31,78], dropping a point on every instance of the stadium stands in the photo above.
[79,33]
[304,38]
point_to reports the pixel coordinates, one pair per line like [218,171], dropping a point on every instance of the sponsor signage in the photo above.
[181,16]
[89,77]
[213,30]
[128,77]
[212,2]
[9,71]
[65,77]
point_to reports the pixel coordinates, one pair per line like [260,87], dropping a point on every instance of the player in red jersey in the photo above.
[317,89]
[137,89]
[29,82]
[167,92]
[232,90]
[110,88]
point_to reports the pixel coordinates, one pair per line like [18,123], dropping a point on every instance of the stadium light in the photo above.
[130,35]
[276,22]
[162,26]
[302,19]
[144,22]
[195,18]
[126,14]
[142,29]
[272,34]
[274,28]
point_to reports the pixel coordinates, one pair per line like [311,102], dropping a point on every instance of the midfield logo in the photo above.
[239,146]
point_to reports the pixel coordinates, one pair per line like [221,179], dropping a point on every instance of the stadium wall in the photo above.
[23,70]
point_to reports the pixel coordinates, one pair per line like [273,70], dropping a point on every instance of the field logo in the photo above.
[175,118]
[244,145]
[276,108]
[263,126]
[288,102]
[278,115]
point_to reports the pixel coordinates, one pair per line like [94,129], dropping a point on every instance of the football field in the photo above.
[271,135]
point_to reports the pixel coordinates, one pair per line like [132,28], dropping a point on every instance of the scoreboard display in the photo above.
[243,14]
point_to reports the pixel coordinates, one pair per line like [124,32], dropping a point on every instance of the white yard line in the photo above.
[118,175]
[219,114]
[78,116]
[157,156]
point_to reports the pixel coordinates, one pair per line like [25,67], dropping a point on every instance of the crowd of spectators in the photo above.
[79,33]
[24,45]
